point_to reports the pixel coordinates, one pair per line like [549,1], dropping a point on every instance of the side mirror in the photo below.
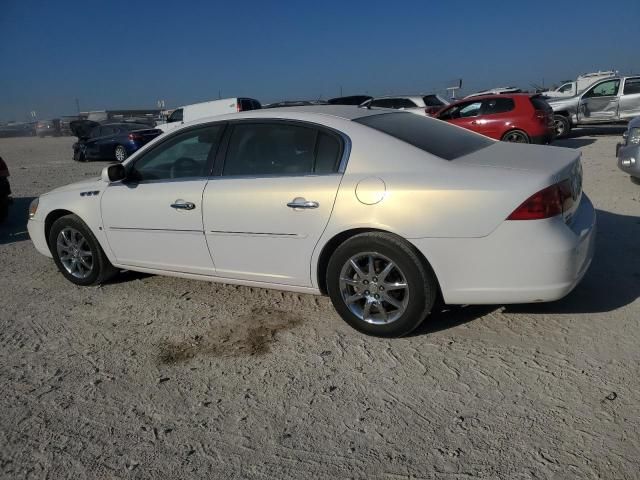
[113,173]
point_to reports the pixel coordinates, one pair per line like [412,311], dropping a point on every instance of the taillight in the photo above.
[547,203]
[135,136]
[540,114]
[238,107]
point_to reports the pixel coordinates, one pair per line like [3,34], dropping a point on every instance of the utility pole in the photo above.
[341,90]
[78,106]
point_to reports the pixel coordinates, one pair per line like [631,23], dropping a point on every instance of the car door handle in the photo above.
[300,202]
[182,205]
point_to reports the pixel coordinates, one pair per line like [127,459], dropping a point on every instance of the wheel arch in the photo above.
[339,238]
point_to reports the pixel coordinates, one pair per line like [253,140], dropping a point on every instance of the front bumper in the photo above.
[626,153]
[520,262]
[36,233]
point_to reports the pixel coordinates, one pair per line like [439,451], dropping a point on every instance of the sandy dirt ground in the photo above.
[158,377]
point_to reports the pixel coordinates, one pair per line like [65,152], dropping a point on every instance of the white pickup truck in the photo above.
[196,111]
[611,100]
[571,89]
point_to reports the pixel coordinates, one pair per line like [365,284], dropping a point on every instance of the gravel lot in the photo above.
[158,377]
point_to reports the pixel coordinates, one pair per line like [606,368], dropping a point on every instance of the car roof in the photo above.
[347,112]
[495,95]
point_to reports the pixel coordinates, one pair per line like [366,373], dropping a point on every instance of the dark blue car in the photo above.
[111,141]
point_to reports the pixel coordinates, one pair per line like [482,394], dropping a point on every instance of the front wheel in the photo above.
[516,136]
[120,153]
[77,253]
[561,126]
[379,285]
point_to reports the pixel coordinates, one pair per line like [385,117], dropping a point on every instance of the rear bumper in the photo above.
[520,262]
[628,154]
[36,233]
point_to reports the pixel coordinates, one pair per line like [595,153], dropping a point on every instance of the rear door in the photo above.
[270,199]
[496,116]
[600,102]
[630,99]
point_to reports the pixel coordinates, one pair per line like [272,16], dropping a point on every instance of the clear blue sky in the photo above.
[123,54]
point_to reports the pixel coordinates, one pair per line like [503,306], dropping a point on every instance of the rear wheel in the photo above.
[4,207]
[379,284]
[120,153]
[516,136]
[561,126]
[77,253]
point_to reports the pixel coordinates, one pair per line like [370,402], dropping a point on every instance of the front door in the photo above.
[599,103]
[630,100]
[267,208]
[466,115]
[154,218]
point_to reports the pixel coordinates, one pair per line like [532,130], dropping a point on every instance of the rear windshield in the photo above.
[432,101]
[539,103]
[433,136]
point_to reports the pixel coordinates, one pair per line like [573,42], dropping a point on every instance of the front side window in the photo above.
[462,110]
[631,86]
[565,88]
[604,89]
[185,155]
[280,149]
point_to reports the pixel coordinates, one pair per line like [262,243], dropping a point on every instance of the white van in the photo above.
[196,111]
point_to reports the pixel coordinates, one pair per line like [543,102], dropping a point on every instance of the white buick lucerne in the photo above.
[384,211]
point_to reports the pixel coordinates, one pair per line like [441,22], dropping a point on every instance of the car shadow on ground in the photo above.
[612,281]
[14,228]
[573,142]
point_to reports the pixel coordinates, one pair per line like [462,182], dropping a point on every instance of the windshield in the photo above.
[436,137]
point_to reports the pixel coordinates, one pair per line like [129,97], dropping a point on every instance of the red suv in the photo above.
[520,118]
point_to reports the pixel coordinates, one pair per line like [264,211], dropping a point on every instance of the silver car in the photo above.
[628,152]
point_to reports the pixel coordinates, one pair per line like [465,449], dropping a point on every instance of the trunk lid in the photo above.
[82,128]
[544,164]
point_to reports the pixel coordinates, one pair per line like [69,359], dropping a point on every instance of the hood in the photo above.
[635,123]
[82,128]
[89,184]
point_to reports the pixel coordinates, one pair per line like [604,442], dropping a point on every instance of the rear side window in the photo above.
[432,101]
[497,105]
[404,103]
[539,103]
[280,149]
[433,136]
[383,103]
[176,116]
[631,86]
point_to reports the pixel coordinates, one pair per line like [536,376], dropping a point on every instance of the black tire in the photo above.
[120,151]
[4,207]
[562,126]
[101,268]
[516,136]
[421,283]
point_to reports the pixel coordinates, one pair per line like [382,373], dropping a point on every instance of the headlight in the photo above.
[634,136]
[33,207]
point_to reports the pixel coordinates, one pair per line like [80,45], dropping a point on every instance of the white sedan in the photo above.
[385,212]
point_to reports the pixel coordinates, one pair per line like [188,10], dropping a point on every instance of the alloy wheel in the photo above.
[121,153]
[74,253]
[374,288]
[515,137]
